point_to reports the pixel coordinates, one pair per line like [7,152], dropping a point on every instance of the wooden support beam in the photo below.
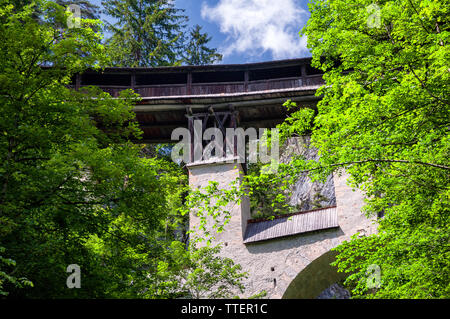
[266,123]
[238,104]
[133,80]
[77,81]
[246,79]
[170,126]
[191,132]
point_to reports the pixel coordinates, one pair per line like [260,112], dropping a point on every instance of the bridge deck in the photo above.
[257,91]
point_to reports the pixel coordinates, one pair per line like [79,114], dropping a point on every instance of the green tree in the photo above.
[7,265]
[88,10]
[196,272]
[197,51]
[384,118]
[146,33]
[269,191]
[73,190]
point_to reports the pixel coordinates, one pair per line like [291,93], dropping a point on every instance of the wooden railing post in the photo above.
[246,81]
[303,68]
[189,83]
[77,81]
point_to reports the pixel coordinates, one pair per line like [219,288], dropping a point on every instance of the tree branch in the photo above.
[380,161]
[424,86]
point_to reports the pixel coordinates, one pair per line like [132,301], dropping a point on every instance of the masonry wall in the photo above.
[273,264]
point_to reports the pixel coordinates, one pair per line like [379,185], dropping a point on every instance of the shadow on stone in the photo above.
[315,279]
[294,241]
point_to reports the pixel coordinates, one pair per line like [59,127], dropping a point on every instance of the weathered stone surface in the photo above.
[273,265]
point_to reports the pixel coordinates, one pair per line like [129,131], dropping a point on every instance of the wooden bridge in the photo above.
[255,92]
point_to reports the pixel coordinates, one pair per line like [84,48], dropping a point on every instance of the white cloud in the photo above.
[257,26]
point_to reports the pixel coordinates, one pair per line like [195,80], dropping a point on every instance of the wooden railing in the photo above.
[185,86]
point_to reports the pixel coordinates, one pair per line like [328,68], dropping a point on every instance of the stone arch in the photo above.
[314,278]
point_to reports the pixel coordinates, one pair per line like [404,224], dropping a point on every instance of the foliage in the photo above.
[73,188]
[9,278]
[384,119]
[197,272]
[146,32]
[268,191]
[88,10]
[210,204]
[197,52]
[150,33]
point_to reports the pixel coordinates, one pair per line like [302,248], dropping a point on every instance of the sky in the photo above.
[251,30]
[247,31]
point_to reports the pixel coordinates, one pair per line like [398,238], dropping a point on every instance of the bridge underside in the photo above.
[158,117]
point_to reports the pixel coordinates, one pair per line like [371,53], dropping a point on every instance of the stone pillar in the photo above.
[349,203]
[225,172]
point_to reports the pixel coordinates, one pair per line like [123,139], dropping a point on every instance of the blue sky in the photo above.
[251,30]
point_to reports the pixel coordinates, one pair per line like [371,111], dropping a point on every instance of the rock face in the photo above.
[335,291]
[307,195]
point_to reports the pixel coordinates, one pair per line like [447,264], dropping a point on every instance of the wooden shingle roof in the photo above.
[287,225]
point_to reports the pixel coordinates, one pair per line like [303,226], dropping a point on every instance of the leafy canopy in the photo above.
[150,33]
[73,188]
[383,117]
